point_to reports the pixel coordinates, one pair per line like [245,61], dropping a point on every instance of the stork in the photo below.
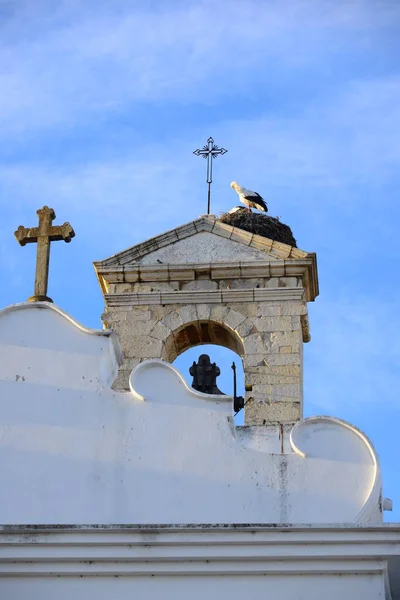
[249,198]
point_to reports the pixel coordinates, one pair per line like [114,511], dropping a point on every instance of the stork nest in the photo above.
[260,224]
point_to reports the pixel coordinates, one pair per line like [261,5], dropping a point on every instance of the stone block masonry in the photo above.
[249,294]
[267,335]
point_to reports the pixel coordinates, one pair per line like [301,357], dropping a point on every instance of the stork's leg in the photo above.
[248,209]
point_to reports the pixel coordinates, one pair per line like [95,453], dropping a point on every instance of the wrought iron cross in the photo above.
[209,152]
[43,235]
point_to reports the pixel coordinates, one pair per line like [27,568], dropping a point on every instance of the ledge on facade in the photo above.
[207,550]
[353,528]
[306,268]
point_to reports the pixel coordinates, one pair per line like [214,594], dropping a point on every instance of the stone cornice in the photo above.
[179,550]
[205,296]
[305,268]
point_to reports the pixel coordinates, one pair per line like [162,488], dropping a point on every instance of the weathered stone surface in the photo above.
[273,323]
[130,363]
[285,349]
[219,313]
[254,344]
[287,282]
[188,313]
[282,371]
[286,390]
[111,317]
[284,338]
[122,380]
[141,346]
[160,331]
[260,413]
[245,328]
[254,360]
[296,324]
[276,391]
[241,284]
[262,392]
[139,313]
[203,247]
[156,286]
[234,319]
[283,359]
[123,288]
[272,283]
[172,320]
[135,328]
[267,379]
[297,308]
[159,312]
[200,284]
[258,309]
[203,312]
[268,310]
[240,307]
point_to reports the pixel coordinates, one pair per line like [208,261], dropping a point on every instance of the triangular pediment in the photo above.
[204,246]
[204,240]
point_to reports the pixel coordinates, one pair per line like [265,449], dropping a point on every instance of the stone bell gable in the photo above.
[209,282]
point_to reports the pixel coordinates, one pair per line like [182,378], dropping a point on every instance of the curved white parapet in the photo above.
[348,457]
[158,381]
[163,453]
[51,306]
[42,344]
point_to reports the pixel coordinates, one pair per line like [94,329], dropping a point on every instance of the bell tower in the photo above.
[211,282]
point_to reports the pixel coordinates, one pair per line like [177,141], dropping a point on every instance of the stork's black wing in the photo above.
[260,201]
[257,199]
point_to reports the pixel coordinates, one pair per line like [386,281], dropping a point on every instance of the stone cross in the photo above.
[43,235]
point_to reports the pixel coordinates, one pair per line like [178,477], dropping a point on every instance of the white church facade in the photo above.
[119,480]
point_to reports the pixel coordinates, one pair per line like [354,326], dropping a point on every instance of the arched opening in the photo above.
[197,333]
[222,345]
[223,357]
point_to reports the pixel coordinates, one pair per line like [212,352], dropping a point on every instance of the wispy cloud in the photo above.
[64,60]
[350,140]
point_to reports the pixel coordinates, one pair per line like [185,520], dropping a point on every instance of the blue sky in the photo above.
[102,104]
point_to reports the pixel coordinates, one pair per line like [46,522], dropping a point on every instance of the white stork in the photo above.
[249,199]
